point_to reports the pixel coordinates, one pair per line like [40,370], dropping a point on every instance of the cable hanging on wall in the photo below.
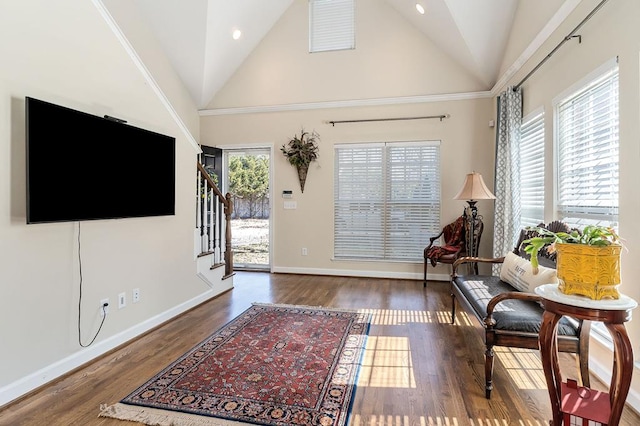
[441,117]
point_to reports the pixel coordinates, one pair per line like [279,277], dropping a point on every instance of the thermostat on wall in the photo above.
[287,194]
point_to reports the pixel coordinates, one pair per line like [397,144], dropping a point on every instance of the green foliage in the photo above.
[212,174]
[214,178]
[249,178]
[591,235]
[301,151]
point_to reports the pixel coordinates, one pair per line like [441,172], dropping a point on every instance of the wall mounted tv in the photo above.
[84,167]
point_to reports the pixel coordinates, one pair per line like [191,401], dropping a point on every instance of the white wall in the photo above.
[64,52]
[532,18]
[467,145]
[612,32]
[392,59]
[140,36]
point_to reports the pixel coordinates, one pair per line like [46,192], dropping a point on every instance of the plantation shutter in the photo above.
[532,169]
[359,202]
[386,200]
[588,154]
[331,25]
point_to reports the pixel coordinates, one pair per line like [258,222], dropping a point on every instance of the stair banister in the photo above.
[225,201]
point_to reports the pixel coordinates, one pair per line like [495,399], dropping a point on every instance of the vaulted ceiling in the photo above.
[196,34]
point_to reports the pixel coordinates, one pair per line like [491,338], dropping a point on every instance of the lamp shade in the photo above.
[474,189]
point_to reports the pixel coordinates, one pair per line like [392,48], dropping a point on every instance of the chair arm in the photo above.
[469,259]
[431,240]
[519,295]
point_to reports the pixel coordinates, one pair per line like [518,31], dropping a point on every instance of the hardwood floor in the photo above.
[418,370]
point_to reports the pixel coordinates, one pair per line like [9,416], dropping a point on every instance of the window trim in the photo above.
[569,92]
[342,37]
[599,332]
[385,163]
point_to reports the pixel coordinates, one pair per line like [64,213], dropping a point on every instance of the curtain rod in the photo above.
[571,35]
[441,117]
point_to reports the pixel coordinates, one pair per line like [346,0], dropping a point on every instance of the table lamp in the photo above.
[473,190]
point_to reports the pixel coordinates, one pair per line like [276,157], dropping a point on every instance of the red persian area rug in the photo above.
[272,365]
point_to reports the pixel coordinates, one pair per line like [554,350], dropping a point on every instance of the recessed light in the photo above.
[236,34]
[420,8]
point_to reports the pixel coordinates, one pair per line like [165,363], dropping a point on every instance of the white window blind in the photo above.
[331,25]
[532,169]
[588,154]
[386,200]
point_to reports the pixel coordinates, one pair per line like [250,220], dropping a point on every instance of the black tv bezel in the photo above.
[132,135]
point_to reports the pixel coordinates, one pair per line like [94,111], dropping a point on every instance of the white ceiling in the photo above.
[474,33]
[195,34]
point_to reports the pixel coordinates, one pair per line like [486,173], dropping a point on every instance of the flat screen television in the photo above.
[84,167]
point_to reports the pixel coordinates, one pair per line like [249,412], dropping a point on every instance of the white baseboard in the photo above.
[43,376]
[603,371]
[360,273]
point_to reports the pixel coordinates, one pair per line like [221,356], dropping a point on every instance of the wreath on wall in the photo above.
[301,152]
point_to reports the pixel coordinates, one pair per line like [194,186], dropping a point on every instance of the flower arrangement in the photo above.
[591,235]
[300,152]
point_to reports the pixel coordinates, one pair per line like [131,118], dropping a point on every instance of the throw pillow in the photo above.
[518,272]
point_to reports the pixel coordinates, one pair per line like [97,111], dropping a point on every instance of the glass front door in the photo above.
[247,179]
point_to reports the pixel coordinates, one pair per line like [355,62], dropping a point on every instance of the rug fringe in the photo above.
[156,417]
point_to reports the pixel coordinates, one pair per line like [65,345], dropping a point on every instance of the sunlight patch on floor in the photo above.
[398,420]
[402,316]
[523,366]
[504,422]
[387,363]
[462,318]
[403,420]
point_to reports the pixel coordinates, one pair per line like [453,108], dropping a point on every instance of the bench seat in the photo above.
[511,318]
[512,314]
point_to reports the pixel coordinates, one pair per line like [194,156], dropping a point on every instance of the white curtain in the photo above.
[507,173]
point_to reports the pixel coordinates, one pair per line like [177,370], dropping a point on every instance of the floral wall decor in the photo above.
[300,152]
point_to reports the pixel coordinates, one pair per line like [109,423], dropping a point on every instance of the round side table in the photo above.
[613,314]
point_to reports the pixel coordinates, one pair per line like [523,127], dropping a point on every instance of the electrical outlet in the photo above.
[122,300]
[304,251]
[136,295]
[104,309]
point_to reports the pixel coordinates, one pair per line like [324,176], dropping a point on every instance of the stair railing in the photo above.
[215,230]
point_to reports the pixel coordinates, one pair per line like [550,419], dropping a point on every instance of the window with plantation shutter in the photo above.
[532,169]
[331,25]
[386,200]
[587,151]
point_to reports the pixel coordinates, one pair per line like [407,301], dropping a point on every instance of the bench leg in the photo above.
[425,273]
[488,372]
[453,308]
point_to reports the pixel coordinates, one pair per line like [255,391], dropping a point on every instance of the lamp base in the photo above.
[471,210]
[473,230]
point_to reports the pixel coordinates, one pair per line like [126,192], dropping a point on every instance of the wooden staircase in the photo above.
[213,231]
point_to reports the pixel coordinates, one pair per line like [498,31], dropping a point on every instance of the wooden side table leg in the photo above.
[622,370]
[549,355]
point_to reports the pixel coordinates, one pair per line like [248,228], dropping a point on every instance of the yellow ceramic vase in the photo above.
[591,271]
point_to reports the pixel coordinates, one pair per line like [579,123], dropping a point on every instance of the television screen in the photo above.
[84,167]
